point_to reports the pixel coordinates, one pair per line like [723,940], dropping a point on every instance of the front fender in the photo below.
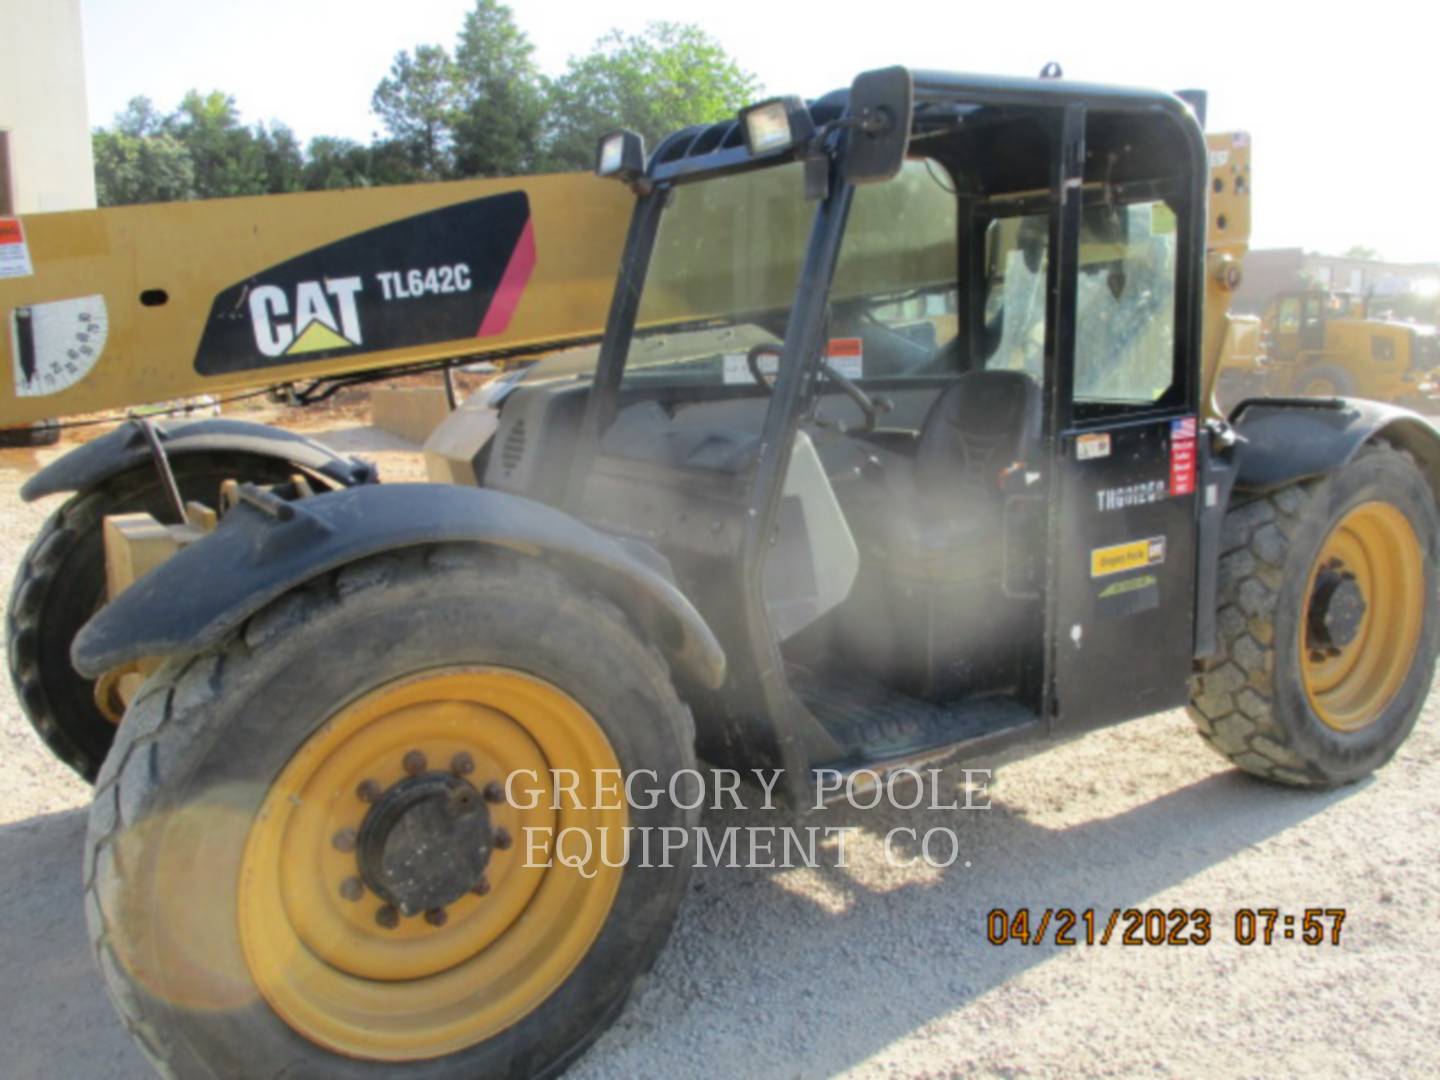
[124,448]
[1290,439]
[209,588]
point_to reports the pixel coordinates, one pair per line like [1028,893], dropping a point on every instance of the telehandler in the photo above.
[898,448]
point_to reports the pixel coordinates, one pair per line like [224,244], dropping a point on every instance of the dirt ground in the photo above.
[878,970]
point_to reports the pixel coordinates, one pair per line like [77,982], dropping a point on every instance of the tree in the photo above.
[199,151]
[228,160]
[136,169]
[280,157]
[417,103]
[332,163]
[140,119]
[665,78]
[1360,251]
[499,95]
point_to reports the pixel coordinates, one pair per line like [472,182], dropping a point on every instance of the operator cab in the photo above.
[872,434]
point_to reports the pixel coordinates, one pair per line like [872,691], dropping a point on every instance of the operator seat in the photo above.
[936,516]
[930,612]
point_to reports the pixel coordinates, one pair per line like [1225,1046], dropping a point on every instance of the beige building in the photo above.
[45,158]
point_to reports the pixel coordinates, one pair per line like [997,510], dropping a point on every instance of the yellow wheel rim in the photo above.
[380,984]
[1353,667]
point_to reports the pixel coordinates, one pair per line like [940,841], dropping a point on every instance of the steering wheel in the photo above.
[872,408]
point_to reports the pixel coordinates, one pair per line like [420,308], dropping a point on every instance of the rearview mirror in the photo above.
[879,115]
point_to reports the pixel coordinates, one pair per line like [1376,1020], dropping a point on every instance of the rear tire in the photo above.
[192,794]
[60,584]
[1273,700]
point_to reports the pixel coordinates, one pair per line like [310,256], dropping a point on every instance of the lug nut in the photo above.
[387,917]
[462,764]
[413,763]
[436,916]
[502,839]
[367,791]
[344,840]
[494,791]
[352,888]
[1317,655]
[481,887]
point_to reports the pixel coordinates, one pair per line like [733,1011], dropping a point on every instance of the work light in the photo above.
[621,154]
[776,126]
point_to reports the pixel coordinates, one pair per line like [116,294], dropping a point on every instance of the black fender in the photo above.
[1272,442]
[124,448]
[1283,440]
[265,547]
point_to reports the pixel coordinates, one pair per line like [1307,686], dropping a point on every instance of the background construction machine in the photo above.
[900,445]
[1319,344]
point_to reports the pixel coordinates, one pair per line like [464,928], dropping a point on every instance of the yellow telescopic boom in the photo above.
[104,309]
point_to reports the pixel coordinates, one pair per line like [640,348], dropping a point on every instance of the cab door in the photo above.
[1123,530]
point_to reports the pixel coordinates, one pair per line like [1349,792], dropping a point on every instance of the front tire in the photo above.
[1328,623]
[236,904]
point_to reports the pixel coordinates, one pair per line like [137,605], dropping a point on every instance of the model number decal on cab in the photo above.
[1118,498]
[436,281]
[1131,555]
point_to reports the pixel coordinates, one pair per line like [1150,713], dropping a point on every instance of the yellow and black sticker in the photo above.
[1131,555]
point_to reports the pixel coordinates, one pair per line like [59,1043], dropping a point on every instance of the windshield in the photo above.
[721,277]
[727,262]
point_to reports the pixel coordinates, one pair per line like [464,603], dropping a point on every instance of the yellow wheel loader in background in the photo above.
[1318,344]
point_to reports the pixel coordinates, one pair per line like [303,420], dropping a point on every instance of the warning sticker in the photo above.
[1089,447]
[14,254]
[1131,555]
[54,345]
[1182,456]
[847,356]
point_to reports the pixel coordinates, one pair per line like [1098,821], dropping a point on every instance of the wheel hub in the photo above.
[425,842]
[1337,608]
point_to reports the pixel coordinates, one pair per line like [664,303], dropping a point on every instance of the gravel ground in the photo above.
[883,970]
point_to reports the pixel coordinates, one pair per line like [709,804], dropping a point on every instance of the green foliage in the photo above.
[280,155]
[136,169]
[227,159]
[1360,251]
[669,76]
[416,102]
[200,151]
[499,95]
[332,163]
[486,110]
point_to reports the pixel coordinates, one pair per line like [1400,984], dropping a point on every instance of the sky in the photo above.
[1339,99]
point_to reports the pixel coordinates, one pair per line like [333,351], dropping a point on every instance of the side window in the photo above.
[1017,256]
[1290,315]
[1125,309]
